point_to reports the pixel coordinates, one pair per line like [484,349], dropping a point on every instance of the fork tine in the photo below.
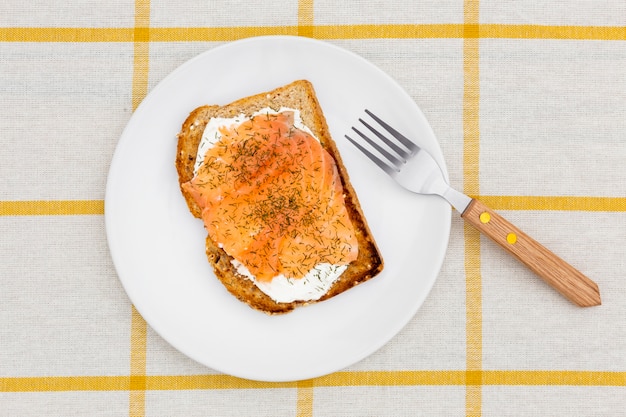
[398,150]
[403,139]
[391,158]
[382,165]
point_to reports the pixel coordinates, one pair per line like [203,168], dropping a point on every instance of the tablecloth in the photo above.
[528,102]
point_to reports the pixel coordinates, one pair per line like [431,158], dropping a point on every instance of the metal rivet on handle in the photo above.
[485,217]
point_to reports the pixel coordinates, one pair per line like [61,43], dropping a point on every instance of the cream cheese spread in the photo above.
[212,135]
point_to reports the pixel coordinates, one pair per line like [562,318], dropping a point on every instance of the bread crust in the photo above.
[299,95]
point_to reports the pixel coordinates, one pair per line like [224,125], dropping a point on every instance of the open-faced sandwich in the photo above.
[285,227]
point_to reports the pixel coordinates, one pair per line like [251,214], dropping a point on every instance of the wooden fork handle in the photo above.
[563,277]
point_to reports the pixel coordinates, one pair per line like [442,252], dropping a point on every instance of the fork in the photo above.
[417,171]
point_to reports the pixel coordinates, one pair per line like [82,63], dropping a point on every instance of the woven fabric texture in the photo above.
[528,102]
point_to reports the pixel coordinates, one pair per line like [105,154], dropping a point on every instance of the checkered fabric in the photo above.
[528,101]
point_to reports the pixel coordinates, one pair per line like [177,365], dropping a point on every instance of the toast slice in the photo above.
[298,95]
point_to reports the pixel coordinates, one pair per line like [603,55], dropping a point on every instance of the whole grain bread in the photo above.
[299,95]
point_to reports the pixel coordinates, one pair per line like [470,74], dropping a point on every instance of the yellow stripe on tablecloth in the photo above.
[365,31]
[305,17]
[338,379]
[141,39]
[190,34]
[51,207]
[473,317]
[555,378]
[217,34]
[139,328]
[471,103]
[502,202]
[471,149]
[64,383]
[391,378]
[140,67]
[496,202]
[304,402]
[212,382]
[494,377]
[320,32]
[397,31]
[602,33]
[138,345]
[33,34]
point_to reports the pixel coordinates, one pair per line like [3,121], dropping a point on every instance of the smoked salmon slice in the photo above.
[271,196]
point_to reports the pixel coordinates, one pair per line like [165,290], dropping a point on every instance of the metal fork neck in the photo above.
[456,199]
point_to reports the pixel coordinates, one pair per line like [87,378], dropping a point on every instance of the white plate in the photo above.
[158,247]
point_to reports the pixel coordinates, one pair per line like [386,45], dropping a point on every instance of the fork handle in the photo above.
[563,277]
